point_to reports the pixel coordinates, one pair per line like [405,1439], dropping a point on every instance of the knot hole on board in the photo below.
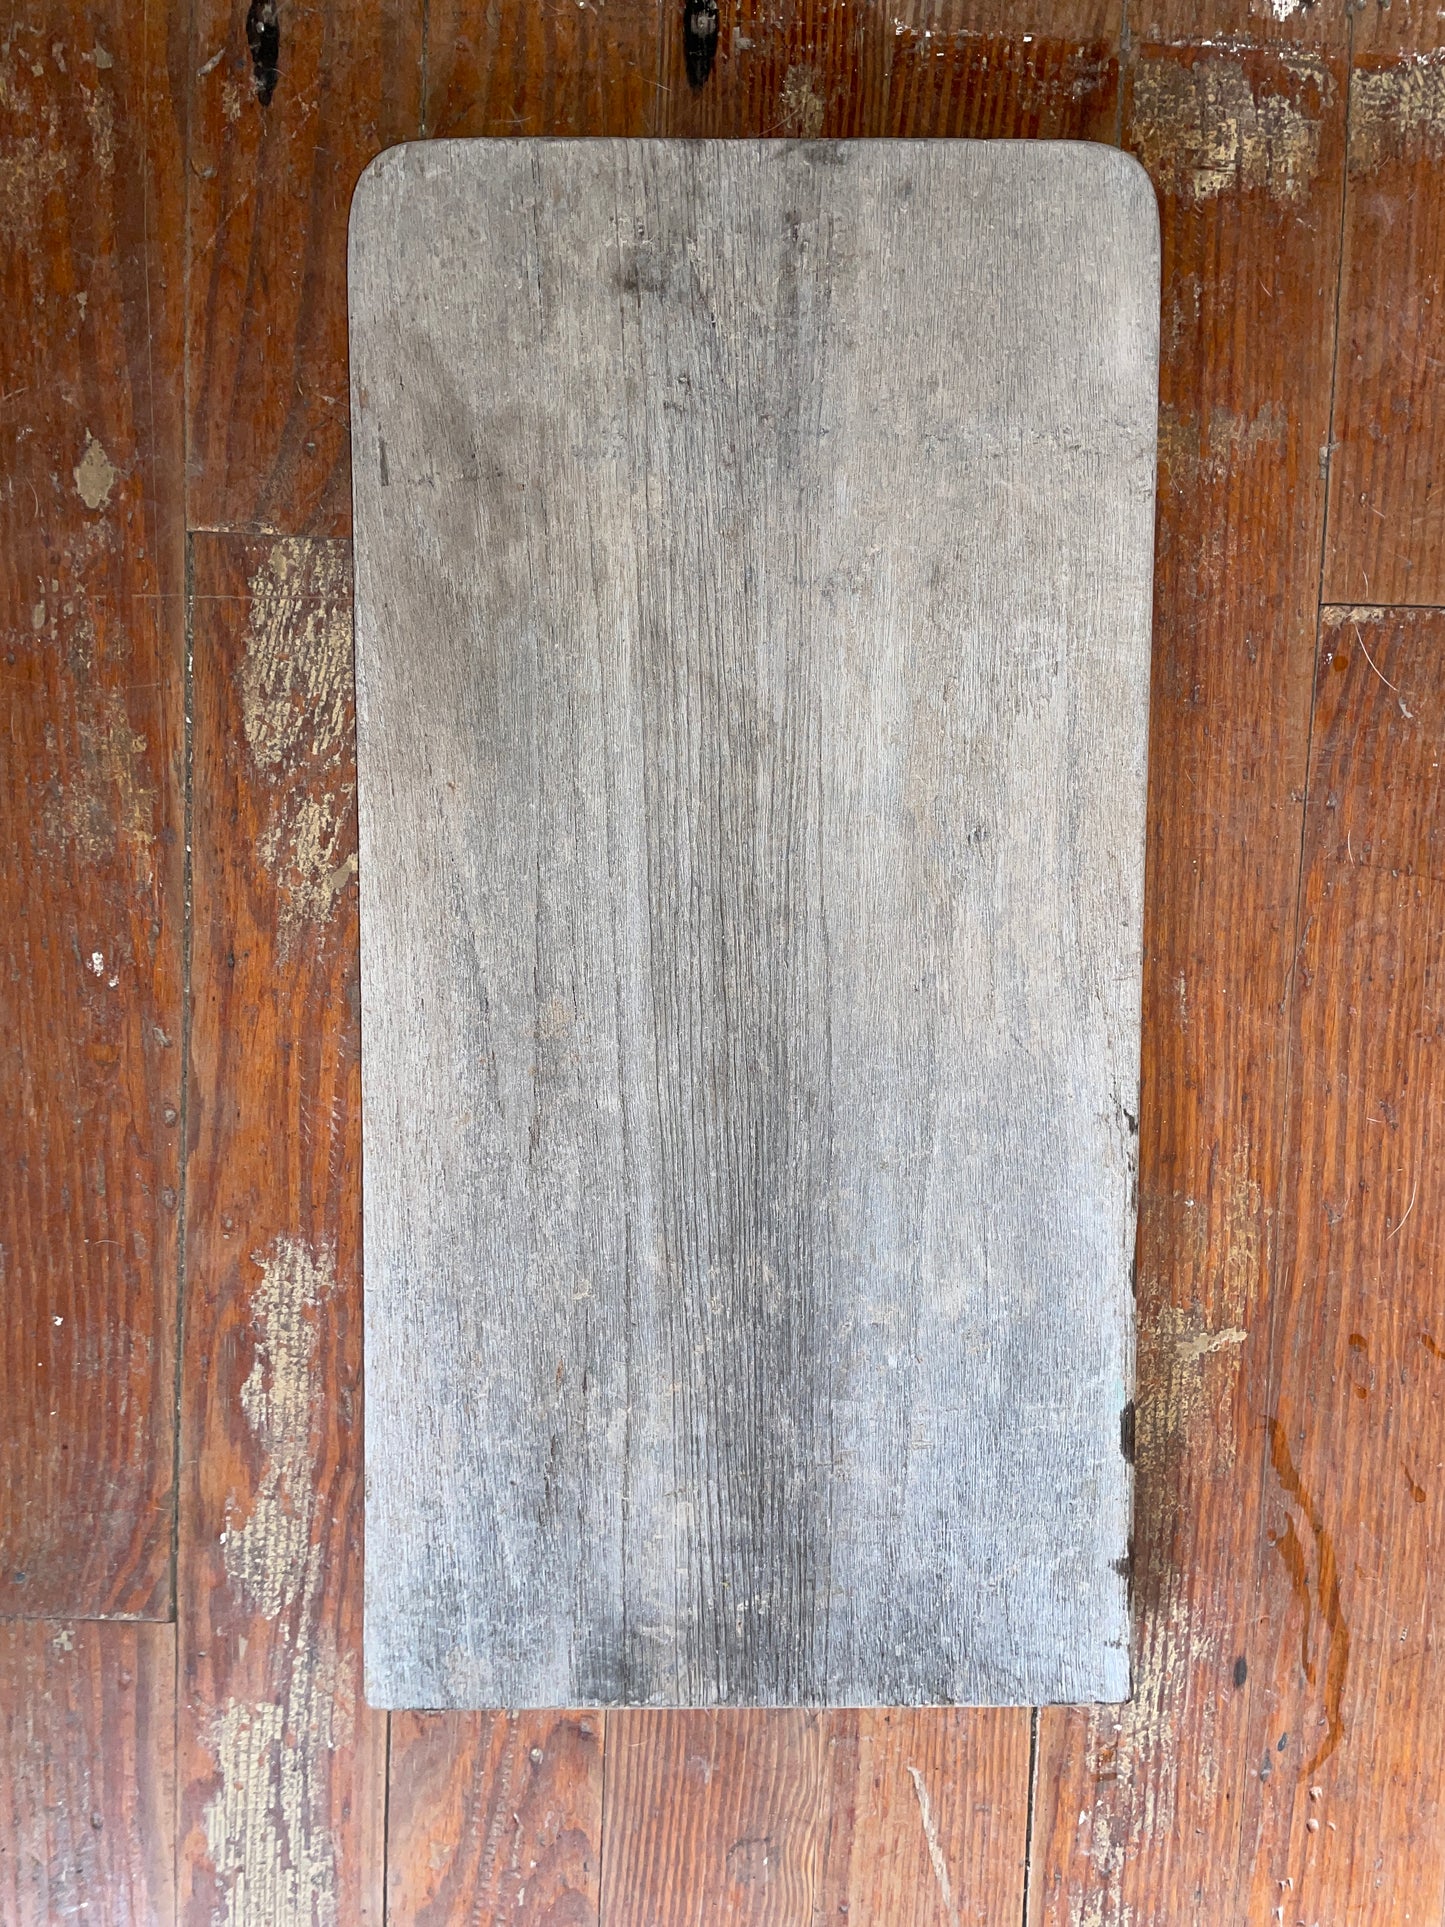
[699,39]
[263,37]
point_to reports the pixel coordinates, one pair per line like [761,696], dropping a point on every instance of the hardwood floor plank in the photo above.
[495,1816]
[1387,505]
[501,67]
[282,1765]
[715,1816]
[1138,1810]
[1001,86]
[1323,25]
[87,1772]
[1385,27]
[930,1821]
[837,69]
[92,668]
[885,1819]
[1346,1753]
[280,132]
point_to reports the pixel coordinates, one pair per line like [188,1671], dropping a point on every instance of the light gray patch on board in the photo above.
[753,573]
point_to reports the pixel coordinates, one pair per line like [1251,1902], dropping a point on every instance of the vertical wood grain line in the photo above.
[424,119]
[188,617]
[1290,995]
[386,1821]
[1329,451]
[187,803]
[1033,1792]
[655,114]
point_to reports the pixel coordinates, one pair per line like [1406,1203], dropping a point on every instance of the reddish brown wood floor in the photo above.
[180,1479]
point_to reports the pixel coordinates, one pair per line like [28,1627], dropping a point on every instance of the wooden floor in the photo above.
[180,1478]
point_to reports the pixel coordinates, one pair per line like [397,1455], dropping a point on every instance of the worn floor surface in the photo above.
[183,1734]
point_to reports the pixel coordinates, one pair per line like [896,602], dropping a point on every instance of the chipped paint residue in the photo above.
[115,798]
[100,116]
[1143,1745]
[94,474]
[1398,106]
[1241,1276]
[303,850]
[1201,130]
[1163,1750]
[98,794]
[296,692]
[1163,1746]
[1194,448]
[268,1825]
[296,678]
[266,1557]
[802,105]
[29,171]
[1190,1345]
[268,1828]
[1180,1386]
[1104,1909]
[35,162]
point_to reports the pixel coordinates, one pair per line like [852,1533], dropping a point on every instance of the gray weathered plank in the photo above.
[753,579]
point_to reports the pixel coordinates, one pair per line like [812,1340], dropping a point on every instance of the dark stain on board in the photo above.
[1323,1598]
[699,39]
[263,37]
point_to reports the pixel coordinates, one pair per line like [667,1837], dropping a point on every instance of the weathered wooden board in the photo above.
[753,579]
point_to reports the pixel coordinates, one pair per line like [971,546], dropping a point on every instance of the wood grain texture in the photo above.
[1238,25]
[501,67]
[1386,27]
[999,86]
[1346,1760]
[495,1816]
[840,69]
[87,1773]
[727,920]
[91,888]
[282,1766]
[278,138]
[885,1819]
[1138,1814]
[1387,503]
